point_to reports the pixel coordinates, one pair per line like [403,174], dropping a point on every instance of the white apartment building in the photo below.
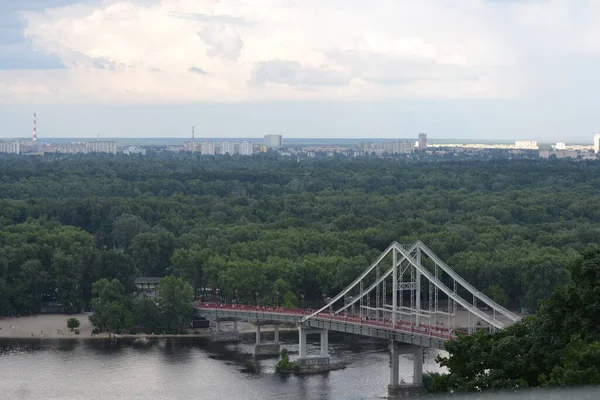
[560,146]
[246,148]
[207,148]
[191,146]
[273,141]
[402,147]
[72,148]
[597,143]
[227,148]
[526,144]
[101,147]
[129,150]
[10,147]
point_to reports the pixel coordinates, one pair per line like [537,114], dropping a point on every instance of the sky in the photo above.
[489,69]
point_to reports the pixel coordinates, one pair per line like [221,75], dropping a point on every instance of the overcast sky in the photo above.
[489,69]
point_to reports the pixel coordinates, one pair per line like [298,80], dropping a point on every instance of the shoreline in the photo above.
[54,327]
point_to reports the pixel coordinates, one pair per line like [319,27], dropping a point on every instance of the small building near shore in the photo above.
[147,284]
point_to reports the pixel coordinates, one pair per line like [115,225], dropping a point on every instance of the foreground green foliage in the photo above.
[261,224]
[285,365]
[112,307]
[116,311]
[73,323]
[560,346]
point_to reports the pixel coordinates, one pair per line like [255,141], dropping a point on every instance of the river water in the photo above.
[186,368]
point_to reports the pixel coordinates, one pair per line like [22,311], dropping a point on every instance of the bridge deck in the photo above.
[404,331]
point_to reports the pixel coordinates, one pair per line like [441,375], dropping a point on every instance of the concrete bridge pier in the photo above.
[267,349]
[226,336]
[323,357]
[397,389]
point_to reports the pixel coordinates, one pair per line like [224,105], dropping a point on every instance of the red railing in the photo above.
[401,326]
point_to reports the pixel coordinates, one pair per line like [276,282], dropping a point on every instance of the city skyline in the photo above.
[300,121]
[479,69]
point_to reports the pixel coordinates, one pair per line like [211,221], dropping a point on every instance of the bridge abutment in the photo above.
[323,357]
[396,389]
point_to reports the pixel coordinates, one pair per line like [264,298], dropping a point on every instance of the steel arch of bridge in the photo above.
[417,277]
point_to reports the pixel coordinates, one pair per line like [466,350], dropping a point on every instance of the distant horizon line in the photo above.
[429,139]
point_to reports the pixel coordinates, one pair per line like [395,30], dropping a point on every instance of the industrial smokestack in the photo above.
[34,128]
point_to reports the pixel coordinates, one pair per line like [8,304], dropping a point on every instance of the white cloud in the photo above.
[296,75]
[276,49]
[222,41]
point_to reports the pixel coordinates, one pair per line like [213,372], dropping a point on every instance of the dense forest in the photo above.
[559,346]
[265,223]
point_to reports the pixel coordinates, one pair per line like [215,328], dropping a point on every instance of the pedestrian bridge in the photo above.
[404,331]
[407,296]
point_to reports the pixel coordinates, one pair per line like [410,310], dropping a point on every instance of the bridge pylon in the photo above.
[224,336]
[262,348]
[396,388]
[323,357]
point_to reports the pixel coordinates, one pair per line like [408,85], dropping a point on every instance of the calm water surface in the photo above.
[188,369]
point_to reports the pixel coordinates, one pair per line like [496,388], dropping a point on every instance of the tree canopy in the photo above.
[510,227]
[559,346]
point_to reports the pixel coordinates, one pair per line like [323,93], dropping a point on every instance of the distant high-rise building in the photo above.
[597,143]
[101,147]
[560,146]
[393,147]
[246,148]
[422,141]
[10,147]
[273,141]
[227,148]
[526,145]
[207,148]
[402,147]
[129,150]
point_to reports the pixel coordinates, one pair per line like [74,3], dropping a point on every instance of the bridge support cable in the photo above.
[476,293]
[418,291]
[411,289]
[441,286]
[394,285]
[377,294]
[360,305]
[435,294]
[359,281]
[454,305]
[430,302]
[365,294]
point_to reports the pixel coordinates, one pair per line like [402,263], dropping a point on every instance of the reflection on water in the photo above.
[188,368]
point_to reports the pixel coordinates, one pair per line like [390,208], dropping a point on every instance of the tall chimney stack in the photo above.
[193,140]
[34,128]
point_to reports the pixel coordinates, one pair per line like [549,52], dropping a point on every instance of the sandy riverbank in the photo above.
[54,326]
[44,326]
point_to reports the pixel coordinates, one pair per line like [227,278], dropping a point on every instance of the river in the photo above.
[185,368]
